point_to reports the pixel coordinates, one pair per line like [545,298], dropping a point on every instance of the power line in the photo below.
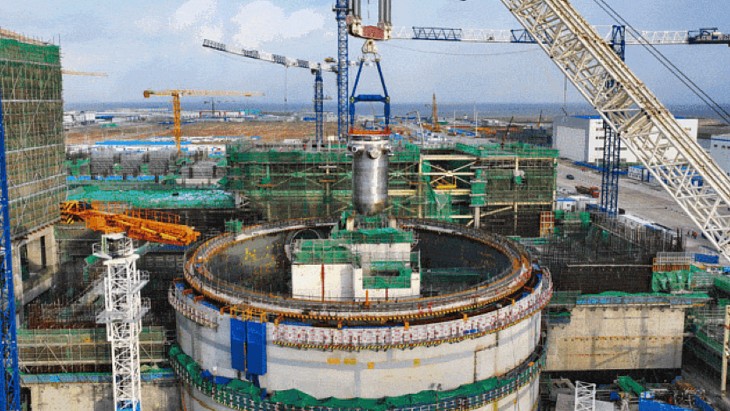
[663,60]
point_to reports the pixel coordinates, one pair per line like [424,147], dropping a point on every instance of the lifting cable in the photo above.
[691,85]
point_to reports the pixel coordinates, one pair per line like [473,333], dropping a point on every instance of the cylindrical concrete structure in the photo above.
[369,172]
[471,342]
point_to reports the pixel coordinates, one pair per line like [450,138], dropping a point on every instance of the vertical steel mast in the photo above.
[10,398]
[341,8]
[123,312]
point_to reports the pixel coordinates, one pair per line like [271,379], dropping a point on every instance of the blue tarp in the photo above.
[256,355]
[707,258]
[651,405]
[238,348]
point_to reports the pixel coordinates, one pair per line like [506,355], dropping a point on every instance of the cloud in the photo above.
[192,12]
[261,21]
[149,25]
[210,32]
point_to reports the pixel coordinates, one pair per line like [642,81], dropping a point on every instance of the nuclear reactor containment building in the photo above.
[361,313]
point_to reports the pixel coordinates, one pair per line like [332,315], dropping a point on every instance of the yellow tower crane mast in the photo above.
[176,94]
[435,116]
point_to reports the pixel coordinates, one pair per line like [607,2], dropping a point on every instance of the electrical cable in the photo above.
[663,60]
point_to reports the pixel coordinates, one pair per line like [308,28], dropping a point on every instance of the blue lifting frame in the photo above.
[385,99]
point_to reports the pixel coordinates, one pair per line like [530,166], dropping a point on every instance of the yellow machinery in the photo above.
[436,127]
[83,73]
[177,131]
[139,224]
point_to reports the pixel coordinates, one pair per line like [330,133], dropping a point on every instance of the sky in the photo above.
[144,44]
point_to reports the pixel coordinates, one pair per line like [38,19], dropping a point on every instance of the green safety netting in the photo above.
[517,148]
[293,397]
[16,50]
[157,199]
[375,236]
[244,387]
[722,283]
[628,384]
[674,281]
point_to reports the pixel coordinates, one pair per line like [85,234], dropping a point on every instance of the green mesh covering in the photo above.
[158,199]
[16,50]
[679,280]
[234,226]
[628,384]
[511,149]
[722,284]
[325,251]
[387,274]
[244,395]
[375,236]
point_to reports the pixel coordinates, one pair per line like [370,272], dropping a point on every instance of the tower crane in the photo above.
[176,94]
[138,224]
[123,305]
[349,21]
[628,107]
[83,73]
[656,37]
[435,125]
[615,36]
[315,67]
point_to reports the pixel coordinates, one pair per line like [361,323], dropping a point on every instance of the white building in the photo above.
[720,151]
[580,138]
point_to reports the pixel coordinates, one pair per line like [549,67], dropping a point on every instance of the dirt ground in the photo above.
[269,131]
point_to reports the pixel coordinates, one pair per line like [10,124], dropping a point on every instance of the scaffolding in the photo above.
[708,324]
[122,315]
[83,349]
[506,187]
[591,252]
[30,80]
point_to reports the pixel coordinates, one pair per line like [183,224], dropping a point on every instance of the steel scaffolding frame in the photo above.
[124,309]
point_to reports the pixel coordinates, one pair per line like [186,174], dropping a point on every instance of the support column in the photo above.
[725,349]
[477,217]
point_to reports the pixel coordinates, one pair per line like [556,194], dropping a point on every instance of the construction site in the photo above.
[276,266]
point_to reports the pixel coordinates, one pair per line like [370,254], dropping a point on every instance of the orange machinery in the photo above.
[139,224]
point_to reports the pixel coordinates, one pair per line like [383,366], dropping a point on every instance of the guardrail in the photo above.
[203,281]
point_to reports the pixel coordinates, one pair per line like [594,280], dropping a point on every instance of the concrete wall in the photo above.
[40,272]
[525,399]
[367,373]
[570,138]
[606,337]
[156,396]
[581,138]
[306,281]
[720,151]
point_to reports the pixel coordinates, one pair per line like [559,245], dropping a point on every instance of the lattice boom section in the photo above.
[646,126]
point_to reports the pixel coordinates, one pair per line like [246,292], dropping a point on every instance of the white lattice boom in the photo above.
[647,128]
[585,396]
[467,35]
[123,312]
